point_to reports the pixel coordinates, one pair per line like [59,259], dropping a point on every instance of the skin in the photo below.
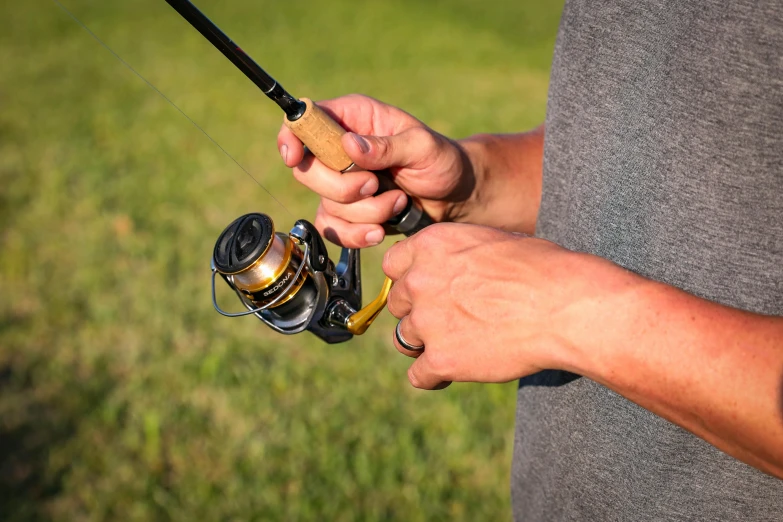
[478,279]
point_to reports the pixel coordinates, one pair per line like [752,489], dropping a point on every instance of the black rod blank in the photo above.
[268,85]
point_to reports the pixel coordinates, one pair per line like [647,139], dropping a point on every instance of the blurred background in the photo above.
[123,394]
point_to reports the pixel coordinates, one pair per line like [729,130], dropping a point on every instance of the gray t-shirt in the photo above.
[664,154]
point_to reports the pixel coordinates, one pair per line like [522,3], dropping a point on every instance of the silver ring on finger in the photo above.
[405,344]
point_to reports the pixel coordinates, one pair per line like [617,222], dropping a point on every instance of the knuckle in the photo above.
[387,263]
[384,147]
[441,364]
[440,230]
[322,220]
[423,141]
[413,378]
[329,206]
[320,223]
[343,193]
[394,305]
[328,209]
[432,236]
[321,216]
[352,97]
[350,212]
[425,236]
[423,137]
[284,134]
[415,282]
[415,322]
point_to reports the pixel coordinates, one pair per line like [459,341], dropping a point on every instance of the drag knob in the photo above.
[243,242]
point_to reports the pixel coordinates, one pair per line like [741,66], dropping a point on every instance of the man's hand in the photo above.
[492,180]
[426,165]
[492,306]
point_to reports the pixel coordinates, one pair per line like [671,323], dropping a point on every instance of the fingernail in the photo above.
[361,142]
[284,153]
[369,188]
[374,237]
[399,205]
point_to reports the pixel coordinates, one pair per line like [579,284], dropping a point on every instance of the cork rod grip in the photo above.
[321,134]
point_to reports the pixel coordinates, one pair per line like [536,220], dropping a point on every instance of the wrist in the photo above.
[606,313]
[506,175]
[473,152]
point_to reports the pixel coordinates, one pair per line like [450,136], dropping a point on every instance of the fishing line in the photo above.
[145,80]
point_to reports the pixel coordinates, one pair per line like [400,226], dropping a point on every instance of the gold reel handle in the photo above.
[358,322]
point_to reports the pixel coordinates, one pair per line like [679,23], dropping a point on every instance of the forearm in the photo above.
[714,370]
[508,174]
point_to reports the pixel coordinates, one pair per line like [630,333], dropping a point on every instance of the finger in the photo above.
[421,375]
[333,185]
[290,147]
[349,235]
[398,259]
[414,147]
[398,301]
[366,115]
[400,348]
[378,209]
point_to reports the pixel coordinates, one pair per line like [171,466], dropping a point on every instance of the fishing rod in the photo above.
[288,280]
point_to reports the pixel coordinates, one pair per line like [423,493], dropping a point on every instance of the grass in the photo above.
[123,395]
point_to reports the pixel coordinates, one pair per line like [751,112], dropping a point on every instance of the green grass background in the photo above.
[123,395]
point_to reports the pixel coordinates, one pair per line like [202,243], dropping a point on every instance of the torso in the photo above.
[664,154]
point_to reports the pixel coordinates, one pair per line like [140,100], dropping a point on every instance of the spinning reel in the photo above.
[289,282]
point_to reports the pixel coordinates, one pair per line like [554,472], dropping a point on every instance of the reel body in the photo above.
[289,282]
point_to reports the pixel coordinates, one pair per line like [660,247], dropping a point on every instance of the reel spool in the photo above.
[289,282]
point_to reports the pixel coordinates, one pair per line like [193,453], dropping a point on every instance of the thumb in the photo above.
[412,148]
